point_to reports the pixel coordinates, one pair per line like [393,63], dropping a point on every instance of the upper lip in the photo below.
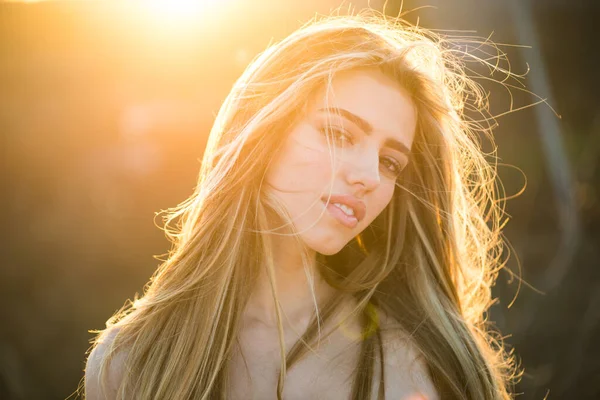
[355,204]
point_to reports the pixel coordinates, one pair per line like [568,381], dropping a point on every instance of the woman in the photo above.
[341,242]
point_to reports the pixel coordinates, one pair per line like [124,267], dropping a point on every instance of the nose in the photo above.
[363,170]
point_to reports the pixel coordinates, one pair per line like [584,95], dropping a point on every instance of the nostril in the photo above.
[365,172]
[368,181]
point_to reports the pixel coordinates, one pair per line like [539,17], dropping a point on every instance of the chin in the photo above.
[324,246]
[329,252]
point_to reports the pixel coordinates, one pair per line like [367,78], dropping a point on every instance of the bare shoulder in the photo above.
[406,373]
[114,372]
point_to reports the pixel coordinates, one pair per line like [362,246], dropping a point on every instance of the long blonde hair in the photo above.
[429,260]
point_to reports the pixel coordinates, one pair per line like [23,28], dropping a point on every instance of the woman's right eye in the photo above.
[340,135]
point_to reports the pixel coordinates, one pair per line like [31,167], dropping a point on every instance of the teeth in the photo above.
[345,208]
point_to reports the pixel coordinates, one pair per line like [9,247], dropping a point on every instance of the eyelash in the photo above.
[396,166]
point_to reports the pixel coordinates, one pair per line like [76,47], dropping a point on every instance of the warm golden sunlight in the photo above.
[177,11]
[249,199]
[155,16]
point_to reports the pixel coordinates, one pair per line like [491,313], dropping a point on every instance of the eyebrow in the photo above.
[365,126]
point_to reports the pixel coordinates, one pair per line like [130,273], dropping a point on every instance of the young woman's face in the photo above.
[368,151]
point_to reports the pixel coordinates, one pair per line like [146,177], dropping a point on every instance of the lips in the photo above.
[349,201]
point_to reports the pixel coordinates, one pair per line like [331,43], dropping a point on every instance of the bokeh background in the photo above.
[105,107]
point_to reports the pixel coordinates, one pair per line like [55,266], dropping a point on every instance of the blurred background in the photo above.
[105,108]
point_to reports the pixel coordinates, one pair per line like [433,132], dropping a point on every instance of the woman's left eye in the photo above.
[391,165]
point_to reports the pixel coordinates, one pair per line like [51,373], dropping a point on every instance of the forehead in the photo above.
[374,97]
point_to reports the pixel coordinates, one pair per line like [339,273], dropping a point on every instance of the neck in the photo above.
[298,288]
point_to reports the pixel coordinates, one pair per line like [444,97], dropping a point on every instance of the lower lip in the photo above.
[346,220]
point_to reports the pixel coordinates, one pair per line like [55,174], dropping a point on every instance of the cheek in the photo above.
[301,164]
[380,200]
